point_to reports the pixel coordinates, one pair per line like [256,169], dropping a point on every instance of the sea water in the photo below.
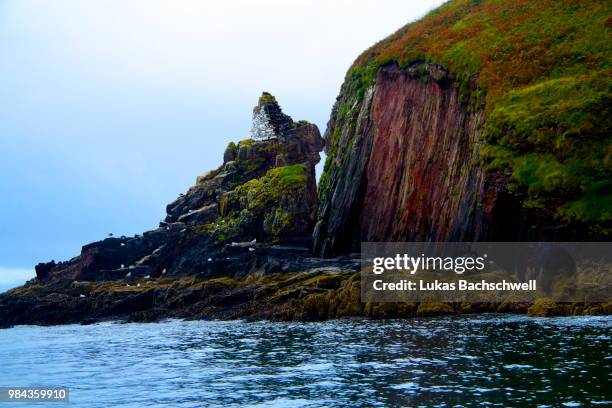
[446,361]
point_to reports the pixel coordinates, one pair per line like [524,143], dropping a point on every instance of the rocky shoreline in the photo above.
[245,295]
[324,289]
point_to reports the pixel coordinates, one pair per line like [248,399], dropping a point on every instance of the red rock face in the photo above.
[407,167]
[421,180]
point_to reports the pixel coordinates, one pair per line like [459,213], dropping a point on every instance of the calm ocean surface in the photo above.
[446,361]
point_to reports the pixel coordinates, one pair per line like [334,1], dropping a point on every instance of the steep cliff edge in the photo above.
[485,120]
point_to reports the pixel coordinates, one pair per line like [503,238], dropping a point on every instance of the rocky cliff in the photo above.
[450,130]
[265,191]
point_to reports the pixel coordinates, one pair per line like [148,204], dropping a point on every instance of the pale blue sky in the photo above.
[110,108]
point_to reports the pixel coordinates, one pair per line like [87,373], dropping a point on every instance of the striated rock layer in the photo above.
[404,164]
[424,145]
[407,170]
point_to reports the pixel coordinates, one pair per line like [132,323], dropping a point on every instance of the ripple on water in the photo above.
[494,359]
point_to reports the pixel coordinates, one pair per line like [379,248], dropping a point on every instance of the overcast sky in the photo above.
[110,108]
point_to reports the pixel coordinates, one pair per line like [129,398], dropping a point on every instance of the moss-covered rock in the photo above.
[231,151]
[309,295]
[549,308]
[278,204]
[434,309]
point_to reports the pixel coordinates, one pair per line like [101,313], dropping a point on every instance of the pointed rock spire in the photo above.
[269,121]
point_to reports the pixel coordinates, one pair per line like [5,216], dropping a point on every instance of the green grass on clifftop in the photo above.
[545,68]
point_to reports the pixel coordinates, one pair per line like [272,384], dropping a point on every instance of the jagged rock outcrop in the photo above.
[269,121]
[264,191]
[266,187]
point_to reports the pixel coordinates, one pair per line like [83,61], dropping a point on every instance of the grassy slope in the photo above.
[545,69]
